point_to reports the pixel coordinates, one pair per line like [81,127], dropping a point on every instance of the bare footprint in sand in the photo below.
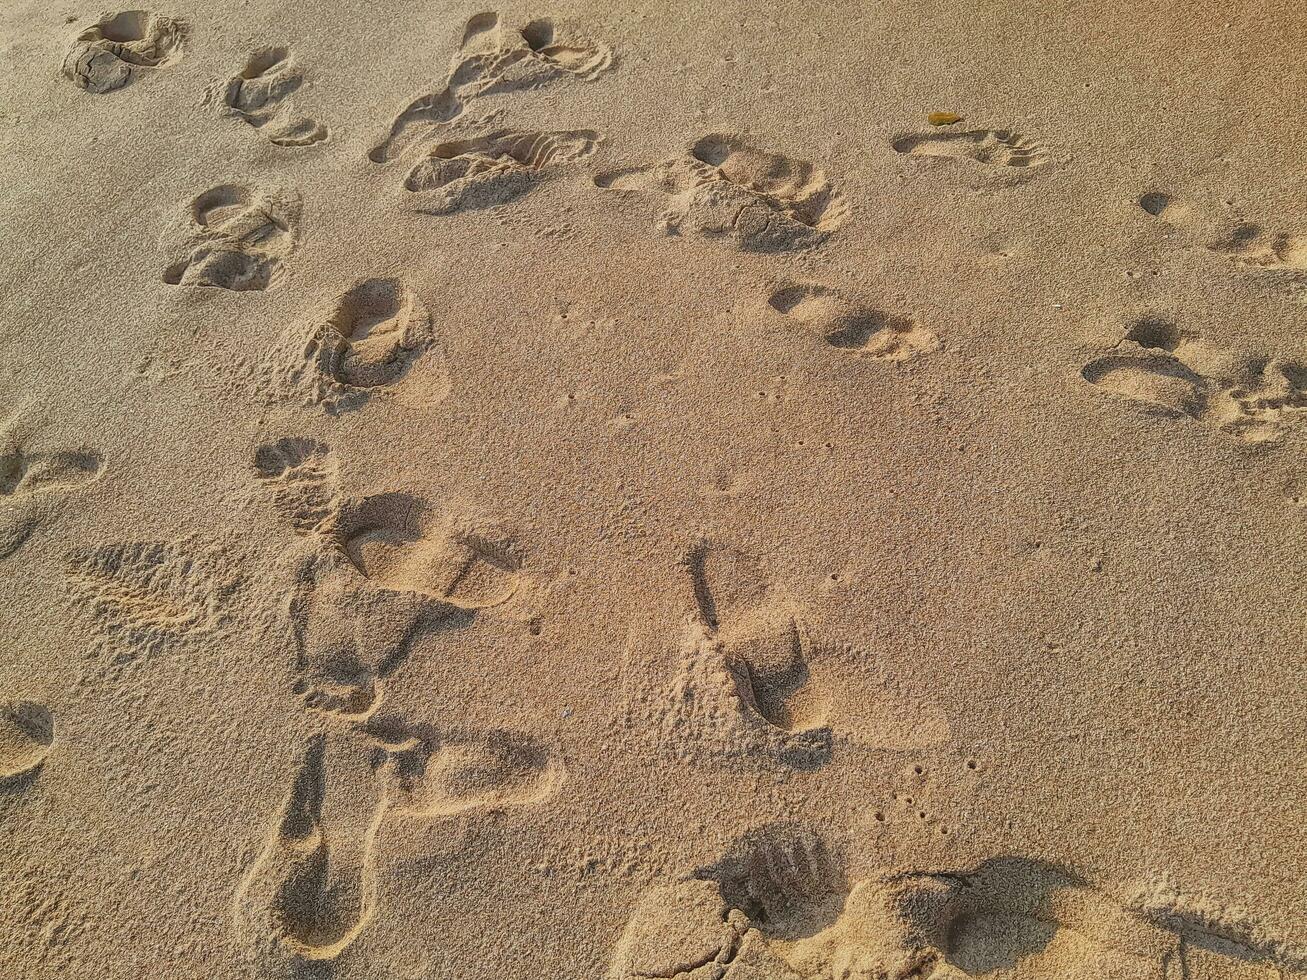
[312,889]
[492,170]
[988,147]
[782,905]
[725,188]
[371,338]
[494,58]
[27,734]
[35,483]
[233,237]
[301,476]
[849,326]
[116,49]
[437,774]
[1172,373]
[743,687]
[395,571]
[260,95]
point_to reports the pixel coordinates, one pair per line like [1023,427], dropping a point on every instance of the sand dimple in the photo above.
[724,187]
[260,95]
[491,59]
[234,237]
[492,170]
[27,733]
[110,53]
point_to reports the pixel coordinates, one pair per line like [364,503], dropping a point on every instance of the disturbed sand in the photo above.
[803,492]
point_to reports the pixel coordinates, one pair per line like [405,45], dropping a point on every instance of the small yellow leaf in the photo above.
[943,118]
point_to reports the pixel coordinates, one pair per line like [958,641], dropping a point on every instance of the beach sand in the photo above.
[763,492]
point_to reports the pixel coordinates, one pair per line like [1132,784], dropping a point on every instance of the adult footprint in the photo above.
[438,775]
[1160,381]
[990,147]
[309,894]
[34,483]
[851,327]
[493,170]
[724,187]
[301,476]
[491,59]
[372,338]
[26,736]
[114,50]
[233,237]
[260,95]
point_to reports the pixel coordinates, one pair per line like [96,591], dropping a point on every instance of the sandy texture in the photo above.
[614,492]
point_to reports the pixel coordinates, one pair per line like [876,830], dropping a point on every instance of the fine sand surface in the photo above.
[605,492]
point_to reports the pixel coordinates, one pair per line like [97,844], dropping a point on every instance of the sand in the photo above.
[766,492]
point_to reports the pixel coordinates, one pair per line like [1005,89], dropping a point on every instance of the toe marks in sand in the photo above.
[260,95]
[725,188]
[851,327]
[782,904]
[111,52]
[987,147]
[233,237]
[1173,373]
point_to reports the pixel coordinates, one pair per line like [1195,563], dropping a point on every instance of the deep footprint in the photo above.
[260,95]
[109,54]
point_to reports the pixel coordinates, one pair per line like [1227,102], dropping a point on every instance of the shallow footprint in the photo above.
[493,170]
[26,736]
[991,147]
[110,53]
[449,775]
[260,95]
[294,906]
[851,327]
[301,475]
[33,483]
[1157,380]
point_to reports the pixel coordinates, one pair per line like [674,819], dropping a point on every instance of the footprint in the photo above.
[260,95]
[233,237]
[107,55]
[743,687]
[781,904]
[1252,246]
[850,327]
[373,337]
[724,188]
[493,59]
[991,147]
[301,475]
[1174,374]
[446,775]
[146,595]
[26,737]
[400,543]
[310,892]
[493,170]
[34,483]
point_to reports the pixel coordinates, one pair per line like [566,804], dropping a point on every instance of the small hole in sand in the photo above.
[1154,202]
